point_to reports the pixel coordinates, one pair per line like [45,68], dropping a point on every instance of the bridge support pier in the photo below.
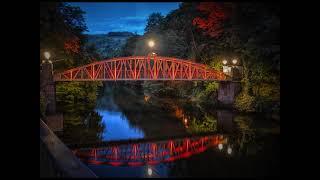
[48,89]
[228,91]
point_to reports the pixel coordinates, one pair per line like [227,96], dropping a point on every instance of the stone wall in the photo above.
[228,91]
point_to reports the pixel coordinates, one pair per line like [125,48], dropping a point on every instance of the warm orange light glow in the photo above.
[146,98]
[47,55]
[151,43]
[234,61]
[178,112]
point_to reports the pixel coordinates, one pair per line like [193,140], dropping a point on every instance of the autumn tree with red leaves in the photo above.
[215,15]
[62,28]
[72,45]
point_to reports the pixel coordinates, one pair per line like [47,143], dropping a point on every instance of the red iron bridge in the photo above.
[147,152]
[141,68]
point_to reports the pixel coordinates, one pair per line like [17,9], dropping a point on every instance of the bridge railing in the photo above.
[56,160]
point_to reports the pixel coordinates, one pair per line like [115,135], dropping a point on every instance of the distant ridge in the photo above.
[124,33]
[109,45]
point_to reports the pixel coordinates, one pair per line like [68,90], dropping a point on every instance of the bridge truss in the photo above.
[141,68]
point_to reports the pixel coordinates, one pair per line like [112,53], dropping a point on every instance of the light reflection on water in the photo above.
[117,126]
[250,152]
[148,171]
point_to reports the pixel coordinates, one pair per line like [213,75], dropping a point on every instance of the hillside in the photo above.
[108,45]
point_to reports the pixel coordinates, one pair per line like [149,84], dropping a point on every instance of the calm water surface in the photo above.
[250,148]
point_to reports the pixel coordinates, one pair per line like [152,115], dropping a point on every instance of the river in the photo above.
[250,148]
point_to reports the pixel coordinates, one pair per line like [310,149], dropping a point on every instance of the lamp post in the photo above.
[47,55]
[232,68]
[47,63]
[236,70]
[151,44]
[226,68]
[47,84]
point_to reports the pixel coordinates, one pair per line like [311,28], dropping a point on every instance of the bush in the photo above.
[244,102]
[208,124]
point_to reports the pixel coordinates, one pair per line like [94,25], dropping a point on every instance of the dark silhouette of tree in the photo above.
[61,33]
[153,23]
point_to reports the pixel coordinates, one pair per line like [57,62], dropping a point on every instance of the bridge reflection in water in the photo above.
[148,152]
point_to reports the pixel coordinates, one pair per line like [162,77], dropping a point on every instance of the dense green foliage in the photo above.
[61,33]
[208,124]
[250,33]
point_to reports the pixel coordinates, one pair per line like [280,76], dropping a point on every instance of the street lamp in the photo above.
[224,62]
[47,55]
[230,69]
[151,43]
[229,151]
[234,61]
[149,171]
[226,68]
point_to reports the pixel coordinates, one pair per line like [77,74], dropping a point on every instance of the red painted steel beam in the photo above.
[141,68]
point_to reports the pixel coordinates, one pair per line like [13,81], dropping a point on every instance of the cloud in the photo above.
[127,23]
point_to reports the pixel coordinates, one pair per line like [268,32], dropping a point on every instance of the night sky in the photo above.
[102,18]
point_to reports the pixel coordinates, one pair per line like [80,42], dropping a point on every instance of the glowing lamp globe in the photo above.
[47,55]
[149,171]
[234,61]
[224,62]
[151,43]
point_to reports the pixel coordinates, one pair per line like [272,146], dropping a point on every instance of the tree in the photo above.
[154,22]
[248,31]
[72,45]
[216,13]
[130,47]
[61,33]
